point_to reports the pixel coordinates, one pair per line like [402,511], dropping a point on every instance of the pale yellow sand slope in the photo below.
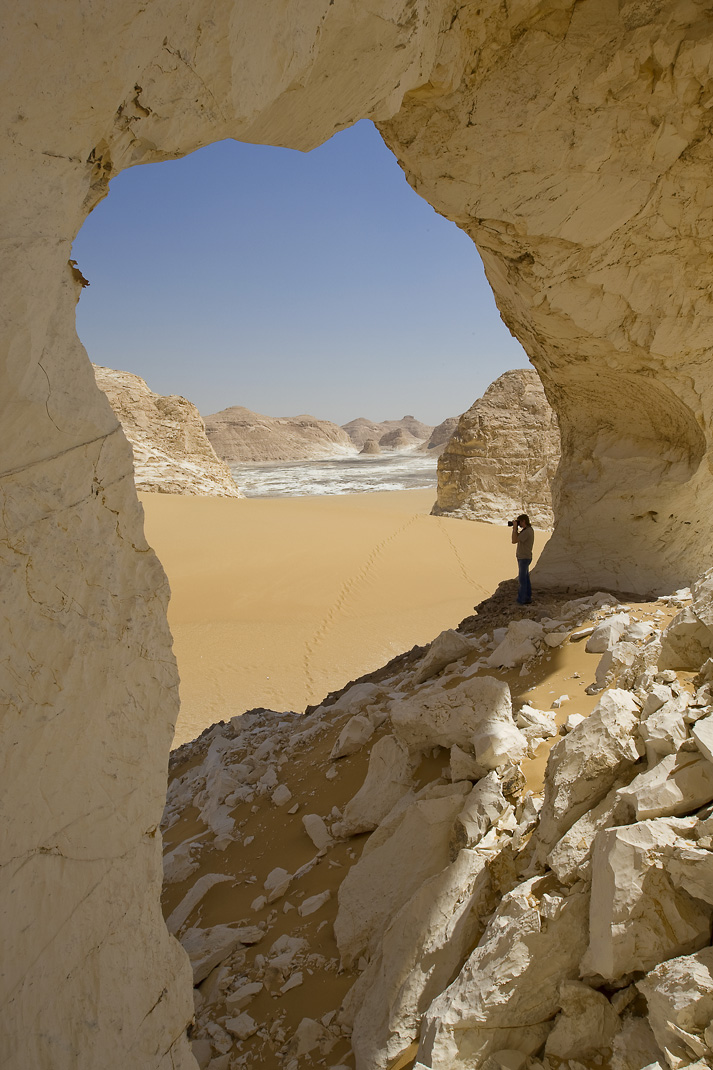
[276,602]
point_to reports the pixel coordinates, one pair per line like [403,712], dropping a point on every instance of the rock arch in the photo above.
[569,138]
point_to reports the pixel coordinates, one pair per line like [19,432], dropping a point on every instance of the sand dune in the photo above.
[275,602]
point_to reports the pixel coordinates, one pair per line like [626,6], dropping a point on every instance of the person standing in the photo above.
[523,536]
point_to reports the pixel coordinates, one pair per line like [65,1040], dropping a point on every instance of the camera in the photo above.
[510,523]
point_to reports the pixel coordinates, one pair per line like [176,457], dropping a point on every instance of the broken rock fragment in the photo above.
[439,717]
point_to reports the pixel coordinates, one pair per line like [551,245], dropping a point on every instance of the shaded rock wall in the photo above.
[502,457]
[571,140]
[172,454]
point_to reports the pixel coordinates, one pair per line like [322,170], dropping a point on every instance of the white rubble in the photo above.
[702,732]
[208,947]
[317,831]
[463,765]
[482,807]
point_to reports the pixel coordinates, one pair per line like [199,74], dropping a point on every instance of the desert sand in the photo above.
[276,602]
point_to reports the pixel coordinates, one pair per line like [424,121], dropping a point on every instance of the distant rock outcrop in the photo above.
[398,439]
[171,452]
[440,436]
[361,429]
[239,435]
[370,446]
[503,455]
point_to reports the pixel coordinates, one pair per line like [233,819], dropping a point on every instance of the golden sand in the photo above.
[277,601]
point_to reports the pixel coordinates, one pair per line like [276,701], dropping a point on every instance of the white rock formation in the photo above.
[502,457]
[574,152]
[172,454]
[361,430]
[239,435]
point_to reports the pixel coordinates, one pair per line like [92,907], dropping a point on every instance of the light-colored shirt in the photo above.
[525,541]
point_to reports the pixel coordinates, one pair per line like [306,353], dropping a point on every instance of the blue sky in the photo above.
[290,282]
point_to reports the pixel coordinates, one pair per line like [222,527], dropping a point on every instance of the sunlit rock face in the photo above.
[570,140]
[172,454]
[502,457]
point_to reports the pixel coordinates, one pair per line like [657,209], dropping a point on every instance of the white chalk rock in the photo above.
[607,634]
[242,1027]
[387,780]
[518,645]
[276,883]
[587,1023]
[308,1036]
[585,765]
[692,869]
[383,879]
[317,831]
[179,864]
[313,903]
[192,898]
[663,731]
[356,732]
[356,699]
[679,994]
[638,630]
[447,647]
[421,950]
[555,639]
[508,991]
[235,1001]
[463,766]
[483,807]
[635,1047]
[206,948]
[281,795]
[497,742]
[571,722]
[570,858]
[687,642]
[439,717]
[637,915]
[615,665]
[678,784]
[702,732]
[535,723]
[656,697]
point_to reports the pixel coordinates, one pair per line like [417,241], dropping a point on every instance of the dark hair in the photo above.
[525,517]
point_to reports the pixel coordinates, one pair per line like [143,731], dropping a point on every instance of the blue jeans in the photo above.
[524,590]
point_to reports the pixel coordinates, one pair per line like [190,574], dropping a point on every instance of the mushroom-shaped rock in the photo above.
[371,446]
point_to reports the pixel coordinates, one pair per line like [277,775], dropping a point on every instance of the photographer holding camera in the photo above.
[523,536]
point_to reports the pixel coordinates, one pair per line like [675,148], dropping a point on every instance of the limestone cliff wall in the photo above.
[570,139]
[172,454]
[502,456]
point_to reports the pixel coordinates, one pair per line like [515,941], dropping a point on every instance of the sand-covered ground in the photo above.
[276,602]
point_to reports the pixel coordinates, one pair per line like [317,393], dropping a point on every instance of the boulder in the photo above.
[607,634]
[206,948]
[447,647]
[421,949]
[586,1025]
[638,916]
[570,858]
[687,642]
[387,780]
[663,731]
[439,717]
[507,993]
[679,994]
[518,645]
[702,732]
[356,732]
[383,879]
[585,765]
[463,765]
[678,784]
[482,807]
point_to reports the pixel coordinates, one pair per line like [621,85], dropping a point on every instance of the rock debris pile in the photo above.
[445,867]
